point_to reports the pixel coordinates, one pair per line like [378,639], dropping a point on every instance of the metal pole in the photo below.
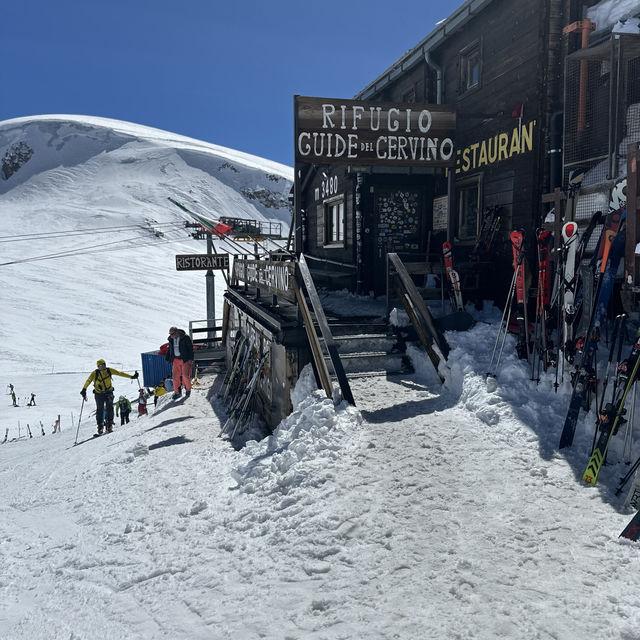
[79,419]
[211,293]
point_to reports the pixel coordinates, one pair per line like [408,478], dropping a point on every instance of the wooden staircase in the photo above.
[368,347]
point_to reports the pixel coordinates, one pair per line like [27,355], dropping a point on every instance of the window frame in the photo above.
[331,224]
[462,212]
[470,53]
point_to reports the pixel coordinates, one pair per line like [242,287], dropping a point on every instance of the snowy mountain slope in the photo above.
[429,511]
[90,197]
[31,146]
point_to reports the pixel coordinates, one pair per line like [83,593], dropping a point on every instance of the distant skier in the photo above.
[13,397]
[10,387]
[180,356]
[103,392]
[32,401]
[158,390]
[142,402]
[123,408]
[56,426]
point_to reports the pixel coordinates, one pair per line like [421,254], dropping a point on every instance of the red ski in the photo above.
[452,277]
[521,299]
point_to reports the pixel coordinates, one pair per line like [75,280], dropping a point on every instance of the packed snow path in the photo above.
[408,518]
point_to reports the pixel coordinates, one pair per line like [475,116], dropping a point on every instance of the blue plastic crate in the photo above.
[154,368]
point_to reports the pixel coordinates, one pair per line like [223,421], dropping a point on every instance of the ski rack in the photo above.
[303,283]
[419,314]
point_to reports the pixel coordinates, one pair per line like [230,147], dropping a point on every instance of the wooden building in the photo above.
[506,70]
[481,122]
[367,174]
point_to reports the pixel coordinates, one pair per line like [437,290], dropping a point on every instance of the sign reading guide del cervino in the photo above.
[330,130]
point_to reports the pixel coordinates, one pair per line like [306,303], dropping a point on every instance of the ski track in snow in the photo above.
[408,517]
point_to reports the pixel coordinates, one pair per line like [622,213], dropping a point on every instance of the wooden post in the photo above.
[633,211]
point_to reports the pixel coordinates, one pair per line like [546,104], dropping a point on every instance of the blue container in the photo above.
[154,368]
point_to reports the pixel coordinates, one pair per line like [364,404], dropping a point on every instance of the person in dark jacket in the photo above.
[103,392]
[180,355]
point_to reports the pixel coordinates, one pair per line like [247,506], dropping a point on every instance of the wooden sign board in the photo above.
[330,130]
[202,261]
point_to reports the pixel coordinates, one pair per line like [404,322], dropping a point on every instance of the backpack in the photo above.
[106,380]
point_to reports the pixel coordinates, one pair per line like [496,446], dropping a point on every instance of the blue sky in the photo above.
[223,72]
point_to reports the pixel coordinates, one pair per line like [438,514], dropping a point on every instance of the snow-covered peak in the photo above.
[97,161]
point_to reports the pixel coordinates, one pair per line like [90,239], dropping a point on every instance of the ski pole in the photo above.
[617,334]
[506,326]
[628,433]
[507,305]
[79,419]
[627,477]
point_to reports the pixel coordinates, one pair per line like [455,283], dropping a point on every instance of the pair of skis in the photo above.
[612,414]
[542,344]
[239,410]
[491,220]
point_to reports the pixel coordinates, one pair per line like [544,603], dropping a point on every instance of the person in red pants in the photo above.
[180,355]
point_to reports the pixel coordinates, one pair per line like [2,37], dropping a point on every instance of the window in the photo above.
[468,196]
[409,96]
[470,67]
[334,221]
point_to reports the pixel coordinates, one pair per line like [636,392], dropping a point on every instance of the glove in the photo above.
[83,393]
[135,375]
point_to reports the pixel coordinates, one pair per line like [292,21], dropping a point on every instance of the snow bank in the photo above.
[302,447]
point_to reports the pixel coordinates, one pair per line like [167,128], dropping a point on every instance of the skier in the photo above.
[123,408]
[158,390]
[142,403]
[13,397]
[32,401]
[180,355]
[103,392]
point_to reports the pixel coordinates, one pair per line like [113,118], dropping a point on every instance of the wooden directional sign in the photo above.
[202,261]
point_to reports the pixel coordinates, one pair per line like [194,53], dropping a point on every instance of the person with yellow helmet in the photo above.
[103,392]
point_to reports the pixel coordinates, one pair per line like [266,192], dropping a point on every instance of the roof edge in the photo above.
[444,29]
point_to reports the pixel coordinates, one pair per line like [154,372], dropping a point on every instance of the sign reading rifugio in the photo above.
[329,130]
[201,261]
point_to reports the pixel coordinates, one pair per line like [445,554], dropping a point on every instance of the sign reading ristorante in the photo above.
[201,261]
[329,130]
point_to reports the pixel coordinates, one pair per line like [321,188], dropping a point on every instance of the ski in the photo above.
[452,277]
[489,226]
[542,338]
[632,530]
[241,403]
[612,416]
[517,245]
[633,497]
[584,375]
[570,244]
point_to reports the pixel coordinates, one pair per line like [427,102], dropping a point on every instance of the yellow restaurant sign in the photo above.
[492,150]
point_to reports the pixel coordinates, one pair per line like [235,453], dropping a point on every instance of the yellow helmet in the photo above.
[101,361]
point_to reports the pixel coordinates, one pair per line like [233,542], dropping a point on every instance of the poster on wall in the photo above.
[398,214]
[440,213]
